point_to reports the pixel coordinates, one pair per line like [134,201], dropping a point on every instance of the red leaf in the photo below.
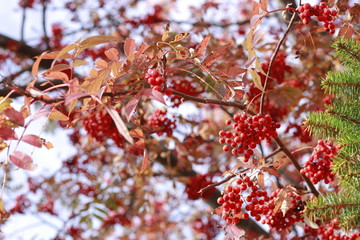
[120,125]
[216,55]
[230,71]
[201,48]
[233,232]
[218,211]
[155,95]
[7,134]
[32,140]
[144,162]
[74,96]
[22,160]
[141,49]
[15,116]
[131,105]
[129,46]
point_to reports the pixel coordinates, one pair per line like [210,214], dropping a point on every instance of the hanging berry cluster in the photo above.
[184,86]
[277,218]
[249,131]
[322,13]
[318,167]
[154,78]
[161,124]
[234,198]
[329,231]
[100,126]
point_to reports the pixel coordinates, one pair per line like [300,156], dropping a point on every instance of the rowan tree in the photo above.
[190,120]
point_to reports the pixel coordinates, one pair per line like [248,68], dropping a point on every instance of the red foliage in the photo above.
[196,183]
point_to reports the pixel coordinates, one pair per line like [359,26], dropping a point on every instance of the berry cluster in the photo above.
[234,198]
[249,131]
[47,207]
[322,13]
[22,203]
[161,124]
[207,226]
[100,126]
[328,231]
[154,78]
[318,166]
[184,86]
[116,217]
[278,220]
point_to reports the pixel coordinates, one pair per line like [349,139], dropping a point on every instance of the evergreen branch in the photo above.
[344,117]
[349,51]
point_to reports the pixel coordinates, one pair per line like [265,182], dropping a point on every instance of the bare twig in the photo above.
[46,38]
[276,51]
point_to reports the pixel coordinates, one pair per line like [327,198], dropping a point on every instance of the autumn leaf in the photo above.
[261,181]
[145,162]
[22,160]
[166,33]
[4,103]
[32,140]
[57,115]
[279,200]
[233,232]
[112,54]
[155,95]
[131,105]
[15,116]
[120,125]
[7,134]
[178,37]
[96,40]
[310,223]
[129,46]
[202,46]
[216,55]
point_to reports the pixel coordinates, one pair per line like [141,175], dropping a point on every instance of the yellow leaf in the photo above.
[166,33]
[179,37]
[56,115]
[96,40]
[257,79]
[64,51]
[79,62]
[48,145]
[4,103]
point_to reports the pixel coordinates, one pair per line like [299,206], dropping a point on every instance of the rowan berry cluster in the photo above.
[234,197]
[249,131]
[184,86]
[100,126]
[318,166]
[154,78]
[329,231]
[278,220]
[161,124]
[322,13]
[22,203]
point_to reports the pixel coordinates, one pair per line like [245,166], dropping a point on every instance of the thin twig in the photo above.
[23,20]
[276,51]
[297,165]
[46,38]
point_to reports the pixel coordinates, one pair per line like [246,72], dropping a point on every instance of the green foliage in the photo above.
[341,123]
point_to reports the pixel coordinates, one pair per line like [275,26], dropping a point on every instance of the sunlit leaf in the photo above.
[112,54]
[234,232]
[120,125]
[178,37]
[129,46]
[22,160]
[216,54]
[131,105]
[57,115]
[33,140]
[166,33]
[7,133]
[202,46]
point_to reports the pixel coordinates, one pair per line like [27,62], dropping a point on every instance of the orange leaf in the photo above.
[57,75]
[129,46]
[112,54]
[166,33]
[178,37]
[216,55]
[144,162]
[261,180]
